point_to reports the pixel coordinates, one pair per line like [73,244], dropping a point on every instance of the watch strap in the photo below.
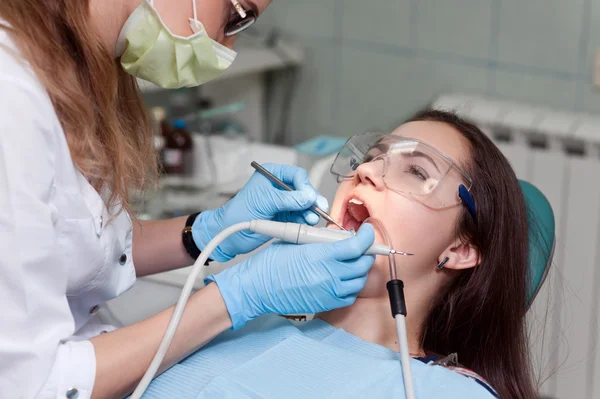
[188,238]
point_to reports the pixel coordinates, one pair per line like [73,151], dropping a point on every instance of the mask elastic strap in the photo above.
[195,12]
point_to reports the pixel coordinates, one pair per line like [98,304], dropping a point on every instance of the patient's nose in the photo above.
[370,173]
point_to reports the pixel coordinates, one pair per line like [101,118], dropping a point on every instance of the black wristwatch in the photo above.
[188,239]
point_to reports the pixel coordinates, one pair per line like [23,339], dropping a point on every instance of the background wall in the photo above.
[371,63]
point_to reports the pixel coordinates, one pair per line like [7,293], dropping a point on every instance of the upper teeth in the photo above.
[356,201]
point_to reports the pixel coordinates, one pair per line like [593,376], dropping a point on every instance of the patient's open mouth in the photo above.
[356,214]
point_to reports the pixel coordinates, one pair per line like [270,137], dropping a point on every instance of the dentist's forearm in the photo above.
[158,247]
[123,356]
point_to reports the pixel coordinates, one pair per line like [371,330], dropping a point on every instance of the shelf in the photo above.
[251,59]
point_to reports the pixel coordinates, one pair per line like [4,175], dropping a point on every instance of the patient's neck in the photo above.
[371,320]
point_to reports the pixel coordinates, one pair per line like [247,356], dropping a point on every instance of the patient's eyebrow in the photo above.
[422,154]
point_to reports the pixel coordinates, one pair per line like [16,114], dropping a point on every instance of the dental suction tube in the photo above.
[396,291]
[180,307]
[289,232]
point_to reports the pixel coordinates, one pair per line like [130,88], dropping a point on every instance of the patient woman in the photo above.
[446,194]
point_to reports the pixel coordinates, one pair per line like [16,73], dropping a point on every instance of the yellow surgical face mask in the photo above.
[149,51]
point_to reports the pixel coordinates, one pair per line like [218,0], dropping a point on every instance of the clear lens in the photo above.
[414,169]
[410,167]
[358,149]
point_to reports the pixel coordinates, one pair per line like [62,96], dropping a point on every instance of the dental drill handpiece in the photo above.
[303,234]
[284,186]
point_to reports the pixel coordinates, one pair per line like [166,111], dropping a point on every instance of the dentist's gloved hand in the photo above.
[259,199]
[291,279]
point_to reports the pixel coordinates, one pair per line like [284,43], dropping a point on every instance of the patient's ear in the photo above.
[460,255]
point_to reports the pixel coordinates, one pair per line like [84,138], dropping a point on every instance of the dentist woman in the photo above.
[74,140]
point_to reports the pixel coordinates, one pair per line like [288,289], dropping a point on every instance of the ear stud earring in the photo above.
[442,263]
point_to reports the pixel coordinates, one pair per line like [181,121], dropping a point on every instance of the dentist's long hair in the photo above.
[482,315]
[97,102]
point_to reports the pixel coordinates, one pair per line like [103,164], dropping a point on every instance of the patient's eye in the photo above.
[417,171]
[354,163]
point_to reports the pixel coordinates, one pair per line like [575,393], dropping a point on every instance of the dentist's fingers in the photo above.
[322,203]
[357,268]
[354,247]
[290,201]
[298,179]
[293,176]
[351,287]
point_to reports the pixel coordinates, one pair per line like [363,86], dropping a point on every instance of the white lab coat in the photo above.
[59,258]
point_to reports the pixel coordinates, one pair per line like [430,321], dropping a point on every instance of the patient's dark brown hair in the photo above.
[482,315]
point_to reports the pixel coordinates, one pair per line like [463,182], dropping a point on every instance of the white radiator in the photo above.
[559,153]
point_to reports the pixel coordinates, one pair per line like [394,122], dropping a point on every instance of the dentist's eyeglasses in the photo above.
[242,19]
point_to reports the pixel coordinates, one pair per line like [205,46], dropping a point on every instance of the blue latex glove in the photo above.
[259,199]
[292,279]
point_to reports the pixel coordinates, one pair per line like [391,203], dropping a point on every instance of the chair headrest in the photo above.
[542,237]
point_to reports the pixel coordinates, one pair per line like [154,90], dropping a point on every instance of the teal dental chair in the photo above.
[542,237]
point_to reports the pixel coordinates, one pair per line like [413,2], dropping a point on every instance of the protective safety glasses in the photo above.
[408,166]
[240,19]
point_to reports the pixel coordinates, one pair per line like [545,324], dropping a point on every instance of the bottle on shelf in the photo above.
[178,155]
[160,129]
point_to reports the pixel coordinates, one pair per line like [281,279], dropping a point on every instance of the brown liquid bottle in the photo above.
[178,156]
[161,130]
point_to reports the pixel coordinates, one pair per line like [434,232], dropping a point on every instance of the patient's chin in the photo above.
[376,280]
[373,291]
